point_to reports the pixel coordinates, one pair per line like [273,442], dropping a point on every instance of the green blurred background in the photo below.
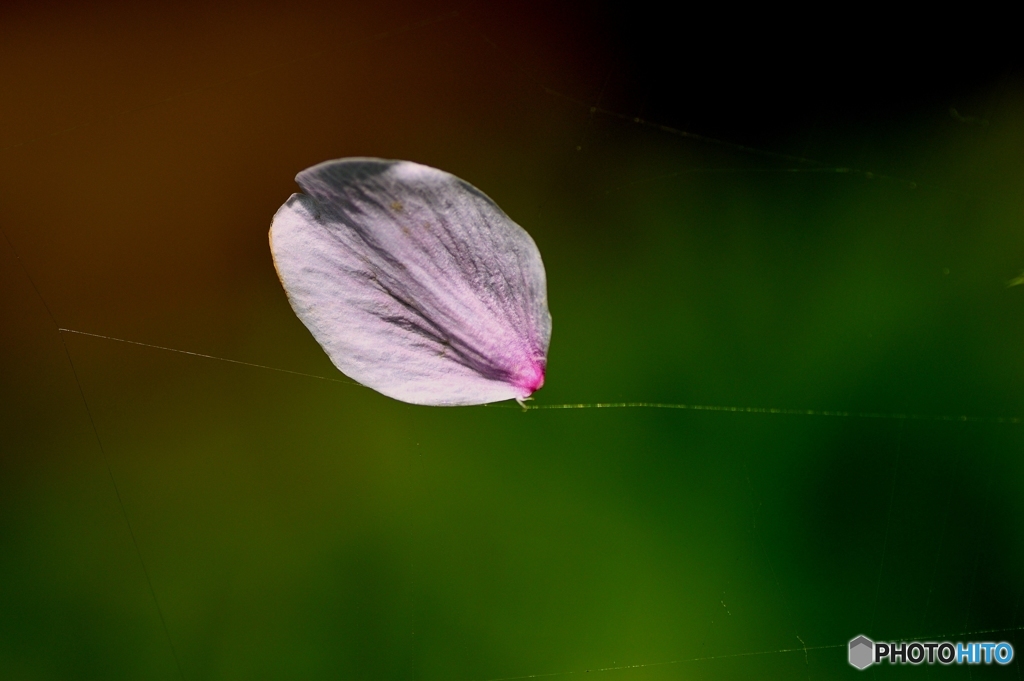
[300,528]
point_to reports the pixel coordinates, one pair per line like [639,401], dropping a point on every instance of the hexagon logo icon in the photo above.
[862,651]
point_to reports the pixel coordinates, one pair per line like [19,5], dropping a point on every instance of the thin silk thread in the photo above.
[963,418]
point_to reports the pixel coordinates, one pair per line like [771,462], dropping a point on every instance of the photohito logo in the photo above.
[864,652]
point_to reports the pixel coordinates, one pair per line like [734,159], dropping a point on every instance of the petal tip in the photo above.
[531,380]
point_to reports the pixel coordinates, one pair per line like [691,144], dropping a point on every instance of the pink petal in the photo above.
[414,282]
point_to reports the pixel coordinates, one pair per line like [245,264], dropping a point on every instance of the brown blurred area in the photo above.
[146,146]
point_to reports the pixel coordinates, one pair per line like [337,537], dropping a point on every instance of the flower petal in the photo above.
[415,283]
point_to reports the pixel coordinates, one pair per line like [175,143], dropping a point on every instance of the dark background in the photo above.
[765,210]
